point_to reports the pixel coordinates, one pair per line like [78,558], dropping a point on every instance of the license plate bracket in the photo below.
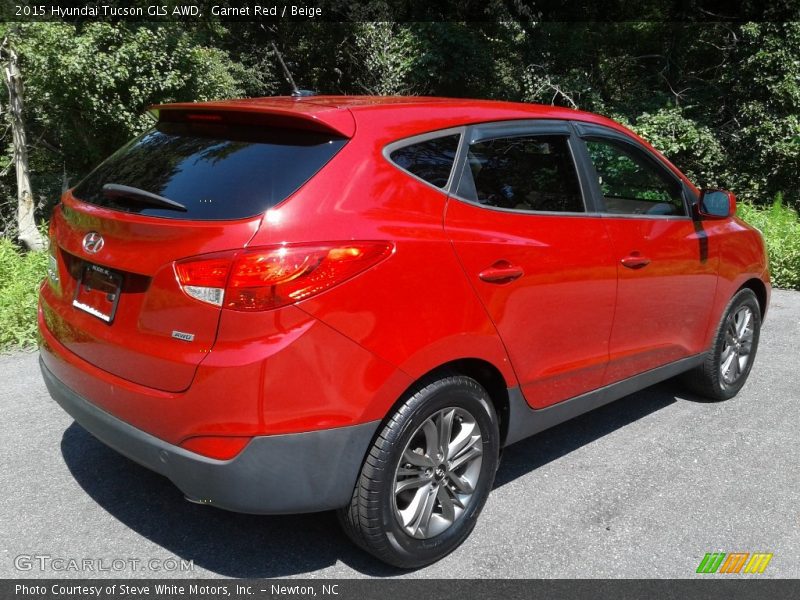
[98,291]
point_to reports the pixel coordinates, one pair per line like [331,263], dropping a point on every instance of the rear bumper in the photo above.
[275,474]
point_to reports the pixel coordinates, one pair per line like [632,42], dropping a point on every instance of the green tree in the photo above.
[88,86]
[686,142]
[385,52]
[762,79]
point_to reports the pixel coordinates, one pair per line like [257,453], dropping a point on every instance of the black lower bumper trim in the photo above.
[276,474]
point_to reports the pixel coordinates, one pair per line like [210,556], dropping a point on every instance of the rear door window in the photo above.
[217,171]
[525,173]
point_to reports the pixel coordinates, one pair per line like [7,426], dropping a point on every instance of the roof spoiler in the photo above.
[317,118]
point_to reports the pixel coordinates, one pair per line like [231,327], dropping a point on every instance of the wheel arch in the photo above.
[482,371]
[760,290]
[727,288]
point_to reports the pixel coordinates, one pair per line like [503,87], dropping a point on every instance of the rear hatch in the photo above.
[199,182]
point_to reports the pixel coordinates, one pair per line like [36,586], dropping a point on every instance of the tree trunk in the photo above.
[28,232]
[286,70]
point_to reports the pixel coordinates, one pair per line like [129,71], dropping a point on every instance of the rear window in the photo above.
[216,171]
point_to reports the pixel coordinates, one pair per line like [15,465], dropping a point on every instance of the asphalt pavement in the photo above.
[641,488]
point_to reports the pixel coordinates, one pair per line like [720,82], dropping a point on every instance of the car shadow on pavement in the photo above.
[230,544]
[551,444]
[250,546]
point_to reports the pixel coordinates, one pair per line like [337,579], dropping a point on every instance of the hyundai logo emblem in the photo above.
[93,242]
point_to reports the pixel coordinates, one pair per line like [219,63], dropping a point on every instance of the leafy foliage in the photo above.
[20,275]
[87,88]
[781,229]
[692,146]
[721,100]
[386,54]
[764,81]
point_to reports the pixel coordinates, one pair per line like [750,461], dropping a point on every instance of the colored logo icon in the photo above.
[734,562]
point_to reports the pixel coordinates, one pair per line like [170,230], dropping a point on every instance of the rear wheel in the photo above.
[728,363]
[427,475]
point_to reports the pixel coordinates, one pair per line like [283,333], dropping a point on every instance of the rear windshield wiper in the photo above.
[115,190]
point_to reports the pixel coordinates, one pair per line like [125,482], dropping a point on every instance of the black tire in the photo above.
[707,379]
[373,518]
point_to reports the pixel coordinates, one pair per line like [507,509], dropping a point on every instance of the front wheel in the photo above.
[728,363]
[427,475]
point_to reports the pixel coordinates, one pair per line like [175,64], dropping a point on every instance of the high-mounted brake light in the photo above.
[203,117]
[266,278]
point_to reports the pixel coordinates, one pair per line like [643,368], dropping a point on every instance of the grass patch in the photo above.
[781,228]
[20,274]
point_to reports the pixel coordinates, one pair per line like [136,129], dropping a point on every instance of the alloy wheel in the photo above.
[738,345]
[438,473]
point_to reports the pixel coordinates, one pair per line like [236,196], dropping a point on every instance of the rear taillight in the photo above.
[266,278]
[204,279]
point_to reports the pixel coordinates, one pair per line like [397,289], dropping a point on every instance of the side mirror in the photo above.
[716,204]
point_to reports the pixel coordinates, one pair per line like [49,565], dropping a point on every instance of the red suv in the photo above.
[301,304]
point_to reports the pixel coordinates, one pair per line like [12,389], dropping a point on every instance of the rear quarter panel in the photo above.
[415,310]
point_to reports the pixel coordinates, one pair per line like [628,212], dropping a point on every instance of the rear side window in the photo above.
[526,173]
[431,160]
[216,171]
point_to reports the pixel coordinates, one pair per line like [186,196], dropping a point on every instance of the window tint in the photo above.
[531,173]
[431,160]
[216,171]
[632,184]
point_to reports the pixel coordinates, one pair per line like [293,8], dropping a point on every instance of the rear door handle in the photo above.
[635,261]
[501,272]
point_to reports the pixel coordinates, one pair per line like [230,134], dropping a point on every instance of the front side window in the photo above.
[430,160]
[631,184]
[525,173]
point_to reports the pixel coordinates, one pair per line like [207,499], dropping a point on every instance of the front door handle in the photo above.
[501,272]
[635,261]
